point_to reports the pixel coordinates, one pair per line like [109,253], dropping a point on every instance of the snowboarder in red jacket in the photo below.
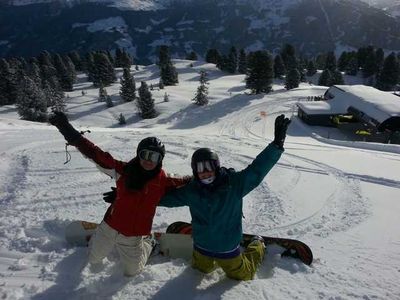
[140,184]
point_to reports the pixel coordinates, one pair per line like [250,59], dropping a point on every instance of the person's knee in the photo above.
[203,263]
[242,276]
[204,268]
[238,268]
[130,271]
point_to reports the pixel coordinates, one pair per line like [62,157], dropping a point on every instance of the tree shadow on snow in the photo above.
[186,286]
[193,115]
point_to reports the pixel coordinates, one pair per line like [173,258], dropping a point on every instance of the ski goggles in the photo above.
[205,166]
[150,155]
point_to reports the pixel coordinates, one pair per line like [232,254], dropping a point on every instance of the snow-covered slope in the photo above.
[342,200]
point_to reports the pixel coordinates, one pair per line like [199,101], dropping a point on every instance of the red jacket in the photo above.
[132,212]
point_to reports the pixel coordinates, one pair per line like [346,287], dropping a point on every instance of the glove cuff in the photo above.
[279,143]
[70,134]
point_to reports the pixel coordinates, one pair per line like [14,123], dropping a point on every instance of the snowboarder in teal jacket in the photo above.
[215,199]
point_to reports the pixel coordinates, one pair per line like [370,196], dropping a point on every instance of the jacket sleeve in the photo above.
[175,198]
[252,176]
[176,182]
[103,160]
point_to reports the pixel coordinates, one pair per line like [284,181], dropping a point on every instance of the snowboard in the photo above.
[177,242]
[293,248]
[173,245]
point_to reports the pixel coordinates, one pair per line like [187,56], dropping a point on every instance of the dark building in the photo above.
[363,111]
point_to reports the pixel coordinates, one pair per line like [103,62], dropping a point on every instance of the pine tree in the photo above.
[64,77]
[161,84]
[121,119]
[76,60]
[201,97]
[47,70]
[242,64]
[292,79]
[145,102]
[212,56]
[8,86]
[31,103]
[118,58]
[109,102]
[163,55]
[102,94]
[90,66]
[222,62]
[390,74]
[311,69]
[325,78]
[71,69]
[279,67]
[320,61]
[191,56]
[166,97]
[343,61]
[352,65]
[260,72]
[370,66]
[128,87]
[380,58]
[337,78]
[169,75]
[45,58]
[110,57]
[54,96]
[330,62]
[34,74]
[231,63]
[126,60]
[104,73]
[288,54]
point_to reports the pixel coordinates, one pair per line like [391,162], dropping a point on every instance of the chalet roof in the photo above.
[372,102]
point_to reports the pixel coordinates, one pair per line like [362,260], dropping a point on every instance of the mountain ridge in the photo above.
[312,26]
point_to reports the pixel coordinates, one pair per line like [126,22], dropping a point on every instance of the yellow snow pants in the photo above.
[241,267]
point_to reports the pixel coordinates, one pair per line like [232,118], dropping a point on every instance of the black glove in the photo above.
[60,120]
[110,196]
[281,125]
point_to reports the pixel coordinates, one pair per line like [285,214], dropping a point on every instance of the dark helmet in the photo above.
[151,143]
[205,154]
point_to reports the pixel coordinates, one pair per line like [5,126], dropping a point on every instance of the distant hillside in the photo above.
[312,26]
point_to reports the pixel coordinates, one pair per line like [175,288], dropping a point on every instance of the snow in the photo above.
[340,197]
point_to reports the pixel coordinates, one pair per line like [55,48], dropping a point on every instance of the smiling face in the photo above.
[148,165]
[206,174]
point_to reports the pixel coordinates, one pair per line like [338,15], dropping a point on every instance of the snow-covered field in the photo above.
[341,198]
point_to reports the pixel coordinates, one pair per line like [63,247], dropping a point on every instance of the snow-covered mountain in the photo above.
[312,26]
[391,7]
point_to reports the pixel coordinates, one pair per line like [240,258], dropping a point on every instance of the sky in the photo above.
[338,196]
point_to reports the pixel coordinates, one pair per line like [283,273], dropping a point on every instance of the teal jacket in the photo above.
[217,210]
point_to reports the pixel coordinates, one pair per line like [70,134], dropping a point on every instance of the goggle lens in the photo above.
[205,166]
[149,155]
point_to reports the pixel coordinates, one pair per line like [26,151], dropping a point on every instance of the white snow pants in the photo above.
[133,251]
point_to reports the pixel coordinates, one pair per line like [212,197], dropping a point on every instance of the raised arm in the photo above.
[103,160]
[252,176]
